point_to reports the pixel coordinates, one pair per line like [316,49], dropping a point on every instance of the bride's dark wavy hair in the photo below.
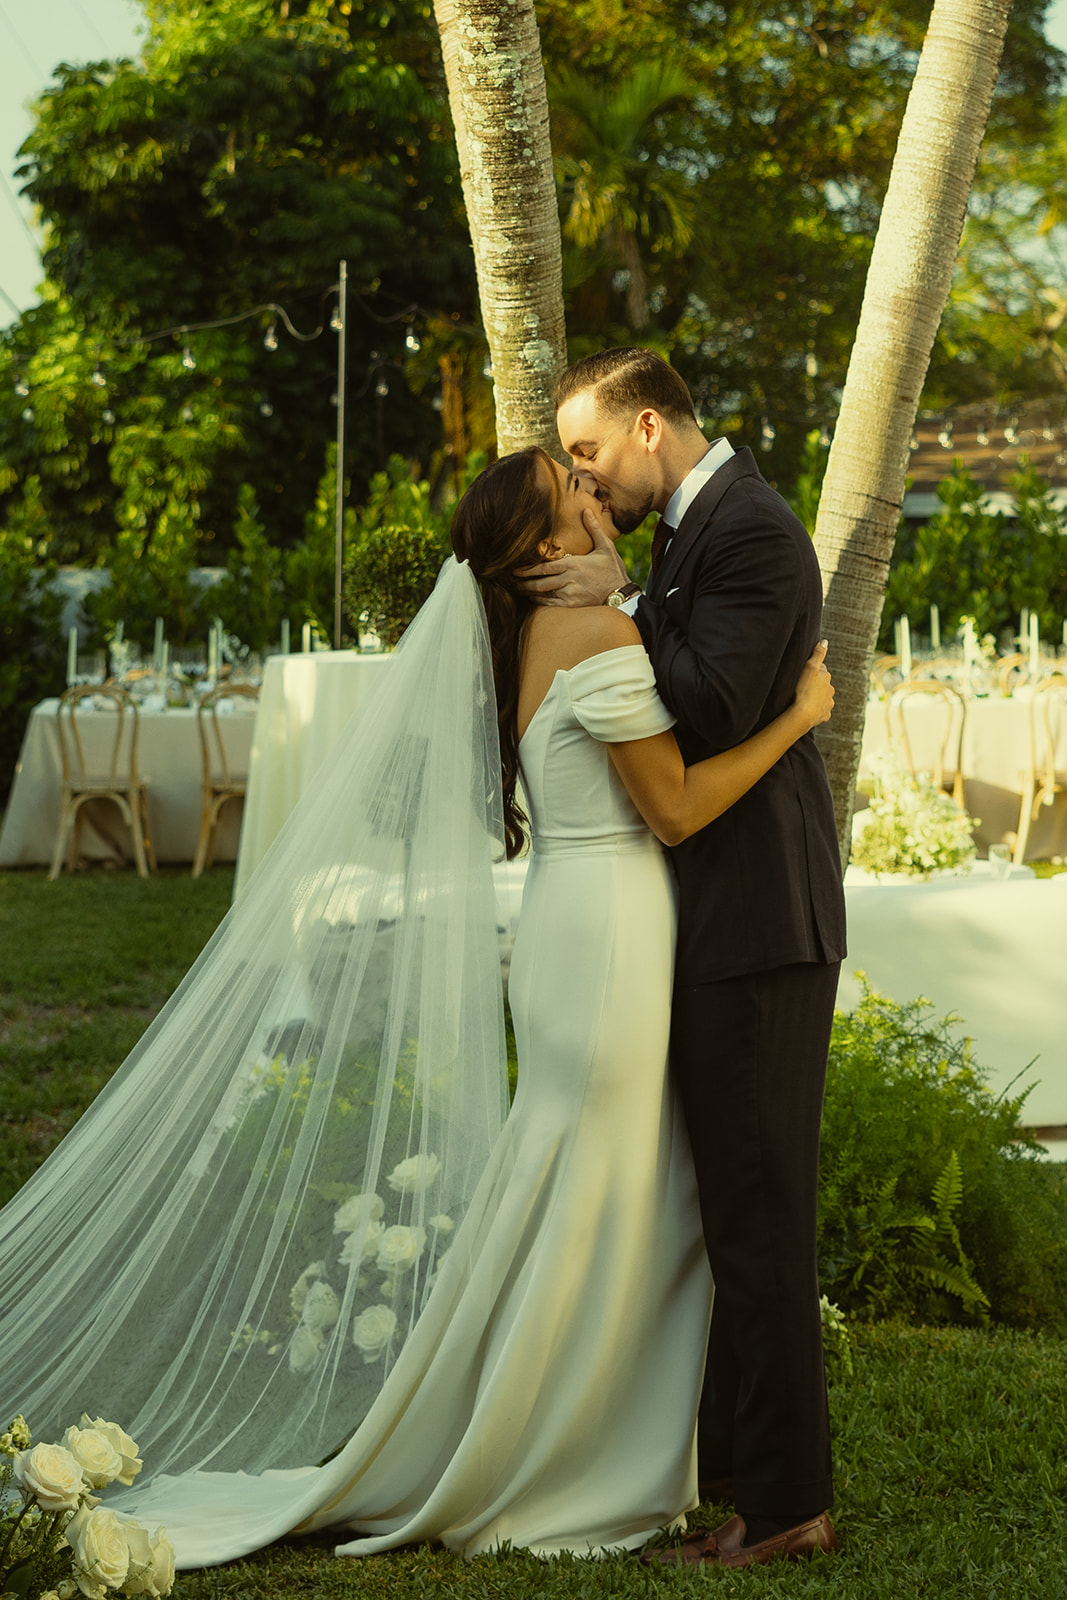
[497,526]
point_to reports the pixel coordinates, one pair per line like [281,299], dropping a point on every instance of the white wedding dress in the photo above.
[547,1395]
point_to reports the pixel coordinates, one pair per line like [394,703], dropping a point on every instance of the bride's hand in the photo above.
[815,692]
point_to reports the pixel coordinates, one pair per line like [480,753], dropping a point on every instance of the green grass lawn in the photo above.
[950,1461]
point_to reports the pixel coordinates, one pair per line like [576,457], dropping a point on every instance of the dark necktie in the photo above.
[660,540]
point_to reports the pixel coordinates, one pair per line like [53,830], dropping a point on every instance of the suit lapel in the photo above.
[696,519]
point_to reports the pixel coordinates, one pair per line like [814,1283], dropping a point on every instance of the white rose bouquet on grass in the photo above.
[56,1540]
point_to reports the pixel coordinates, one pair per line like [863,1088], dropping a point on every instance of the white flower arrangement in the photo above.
[56,1540]
[911,826]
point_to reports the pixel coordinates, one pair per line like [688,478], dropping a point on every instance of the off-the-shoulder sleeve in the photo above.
[613,696]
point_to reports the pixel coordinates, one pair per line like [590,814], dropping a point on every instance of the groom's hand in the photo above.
[579,580]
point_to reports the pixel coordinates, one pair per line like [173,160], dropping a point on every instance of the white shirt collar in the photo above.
[695,479]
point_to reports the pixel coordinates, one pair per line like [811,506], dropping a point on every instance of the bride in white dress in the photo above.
[516,1355]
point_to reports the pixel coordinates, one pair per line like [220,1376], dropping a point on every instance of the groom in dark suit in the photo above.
[731,615]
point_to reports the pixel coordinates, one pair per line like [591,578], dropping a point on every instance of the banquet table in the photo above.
[168,762]
[995,757]
[992,951]
[304,703]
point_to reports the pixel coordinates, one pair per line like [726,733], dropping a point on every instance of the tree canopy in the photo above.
[720,170]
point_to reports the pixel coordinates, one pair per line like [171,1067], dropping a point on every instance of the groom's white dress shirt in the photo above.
[682,498]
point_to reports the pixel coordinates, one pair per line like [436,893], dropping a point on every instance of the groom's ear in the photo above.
[548,550]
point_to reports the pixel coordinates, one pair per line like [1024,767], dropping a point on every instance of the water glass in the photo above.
[999,860]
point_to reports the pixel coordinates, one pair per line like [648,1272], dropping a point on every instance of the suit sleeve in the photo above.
[720,677]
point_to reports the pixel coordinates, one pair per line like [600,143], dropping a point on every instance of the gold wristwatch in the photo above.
[625,591]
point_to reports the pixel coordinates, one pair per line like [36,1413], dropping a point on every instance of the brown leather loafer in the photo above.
[726,1547]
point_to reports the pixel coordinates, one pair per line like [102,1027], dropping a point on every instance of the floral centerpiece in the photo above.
[911,827]
[56,1540]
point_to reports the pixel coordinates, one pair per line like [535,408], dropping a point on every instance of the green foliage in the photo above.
[932,1205]
[31,648]
[250,598]
[401,541]
[979,563]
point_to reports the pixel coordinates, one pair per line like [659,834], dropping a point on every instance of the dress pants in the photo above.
[749,1055]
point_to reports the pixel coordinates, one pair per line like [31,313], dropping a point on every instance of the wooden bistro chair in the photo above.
[1012,671]
[884,669]
[218,783]
[83,781]
[947,770]
[1043,781]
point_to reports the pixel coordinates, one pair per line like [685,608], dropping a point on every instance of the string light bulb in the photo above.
[188,360]
[22,388]
[381,388]
[27,415]
[97,378]
[107,416]
[412,342]
[270,338]
[944,438]
[487,370]
[768,434]
[266,409]
[337,322]
[982,437]
[187,413]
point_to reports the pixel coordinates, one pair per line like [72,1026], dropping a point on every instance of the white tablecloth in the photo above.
[168,762]
[993,952]
[304,703]
[995,757]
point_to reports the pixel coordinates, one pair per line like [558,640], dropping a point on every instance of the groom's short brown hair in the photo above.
[625,381]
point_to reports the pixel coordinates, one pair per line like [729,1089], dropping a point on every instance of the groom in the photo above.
[731,614]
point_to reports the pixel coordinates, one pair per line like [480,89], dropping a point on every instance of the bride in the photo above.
[299,1246]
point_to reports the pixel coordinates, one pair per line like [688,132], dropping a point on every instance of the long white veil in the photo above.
[228,1251]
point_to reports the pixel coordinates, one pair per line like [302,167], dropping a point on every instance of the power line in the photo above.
[13,198]
[16,309]
[91,25]
[18,40]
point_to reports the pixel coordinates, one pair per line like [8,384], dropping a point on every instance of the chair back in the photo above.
[882,669]
[121,769]
[214,759]
[949,731]
[1011,672]
[1047,707]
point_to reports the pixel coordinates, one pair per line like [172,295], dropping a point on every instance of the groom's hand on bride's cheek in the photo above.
[580,580]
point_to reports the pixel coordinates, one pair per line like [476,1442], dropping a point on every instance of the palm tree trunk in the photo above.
[907,286]
[496,90]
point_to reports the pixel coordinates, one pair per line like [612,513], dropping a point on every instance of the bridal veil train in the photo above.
[277,1247]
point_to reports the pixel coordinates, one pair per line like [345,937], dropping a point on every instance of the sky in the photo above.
[34,39]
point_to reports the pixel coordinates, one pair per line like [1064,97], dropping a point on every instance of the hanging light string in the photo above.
[278,313]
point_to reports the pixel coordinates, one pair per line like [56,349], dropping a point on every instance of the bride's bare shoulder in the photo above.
[569,634]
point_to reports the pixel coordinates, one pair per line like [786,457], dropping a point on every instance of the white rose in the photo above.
[442,1223]
[372,1331]
[101,1552]
[66,1589]
[305,1348]
[368,1244]
[299,1292]
[95,1454]
[139,1569]
[415,1174]
[358,1209]
[151,1570]
[121,1443]
[399,1248]
[321,1308]
[50,1475]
